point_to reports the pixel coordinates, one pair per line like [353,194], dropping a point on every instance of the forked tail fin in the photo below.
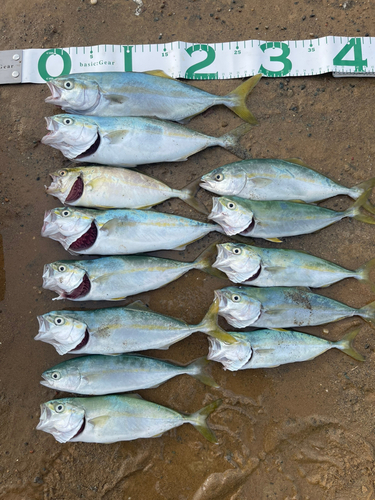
[209,325]
[364,273]
[198,419]
[365,186]
[238,97]
[368,313]
[354,210]
[199,369]
[346,344]
[188,195]
[231,140]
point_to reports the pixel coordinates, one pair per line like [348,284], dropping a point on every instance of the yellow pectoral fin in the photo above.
[158,72]
[274,240]
[99,421]
[116,136]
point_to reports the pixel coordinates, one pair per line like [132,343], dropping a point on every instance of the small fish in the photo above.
[272,348]
[272,220]
[273,179]
[153,94]
[109,419]
[127,141]
[117,330]
[255,266]
[110,187]
[284,307]
[115,278]
[98,375]
[121,231]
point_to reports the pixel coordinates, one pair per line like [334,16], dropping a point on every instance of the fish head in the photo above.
[232,216]
[74,93]
[62,331]
[63,418]
[62,377]
[238,309]
[71,134]
[63,277]
[66,185]
[238,261]
[232,356]
[66,224]
[224,181]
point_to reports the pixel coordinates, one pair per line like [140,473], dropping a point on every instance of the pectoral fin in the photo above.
[116,136]
[273,240]
[99,421]
[260,182]
[115,98]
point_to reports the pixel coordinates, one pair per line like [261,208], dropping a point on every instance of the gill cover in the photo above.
[66,225]
[62,277]
[239,262]
[74,94]
[63,418]
[233,218]
[61,331]
[232,356]
[238,309]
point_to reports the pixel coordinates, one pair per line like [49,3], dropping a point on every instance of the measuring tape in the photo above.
[343,56]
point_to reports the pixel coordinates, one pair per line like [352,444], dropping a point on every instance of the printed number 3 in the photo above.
[283,58]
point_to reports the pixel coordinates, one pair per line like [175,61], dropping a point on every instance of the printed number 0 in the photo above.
[283,58]
[191,73]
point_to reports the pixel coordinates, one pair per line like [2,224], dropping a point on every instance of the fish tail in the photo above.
[209,325]
[346,344]
[354,210]
[199,369]
[188,195]
[368,313]
[230,141]
[238,97]
[205,260]
[198,419]
[364,273]
[365,186]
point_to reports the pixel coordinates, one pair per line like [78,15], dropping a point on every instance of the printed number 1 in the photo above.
[358,63]
[283,58]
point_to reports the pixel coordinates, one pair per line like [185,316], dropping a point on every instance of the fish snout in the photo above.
[56,93]
[45,416]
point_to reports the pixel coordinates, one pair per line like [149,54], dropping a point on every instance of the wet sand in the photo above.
[302,431]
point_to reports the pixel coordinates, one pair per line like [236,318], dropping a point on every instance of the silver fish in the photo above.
[109,419]
[97,375]
[121,231]
[284,307]
[250,265]
[117,330]
[272,348]
[273,179]
[110,187]
[152,94]
[115,278]
[271,220]
[128,141]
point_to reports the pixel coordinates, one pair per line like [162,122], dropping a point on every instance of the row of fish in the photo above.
[260,198]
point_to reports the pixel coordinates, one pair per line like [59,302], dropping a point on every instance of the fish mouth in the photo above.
[208,184]
[55,98]
[45,416]
[43,328]
[92,149]
[46,382]
[76,191]
[52,128]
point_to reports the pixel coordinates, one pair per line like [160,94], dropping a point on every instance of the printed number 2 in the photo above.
[357,62]
[283,58]
[191,73]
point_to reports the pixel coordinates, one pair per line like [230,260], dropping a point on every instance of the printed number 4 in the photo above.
[358,63]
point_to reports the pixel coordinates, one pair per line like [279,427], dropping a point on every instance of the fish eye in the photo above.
[59,321]
[68,121]
[219,177]
[237,251]
[65,213]
[68,85]
[59,408]
[62,173]
[62,269]
[231,205]
[236,298]
[56,375]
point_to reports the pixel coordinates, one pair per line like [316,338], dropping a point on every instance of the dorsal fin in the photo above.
[158,72]
[298,161]
[134,396]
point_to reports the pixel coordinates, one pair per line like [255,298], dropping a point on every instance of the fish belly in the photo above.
[285,353]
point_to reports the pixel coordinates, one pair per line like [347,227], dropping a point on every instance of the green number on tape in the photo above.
[191,73]
[128,57]
[42,63]
[357,62]
[283,58]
